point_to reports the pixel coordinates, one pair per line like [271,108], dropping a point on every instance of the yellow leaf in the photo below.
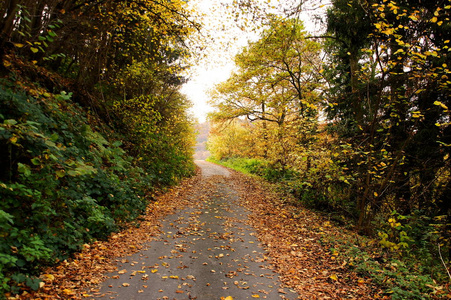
[18,45]
[438,103]
[49,277]
[333,277]
[255,296]
[227,298]
[68,292]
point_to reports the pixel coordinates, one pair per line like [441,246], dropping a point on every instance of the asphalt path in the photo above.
[204,252]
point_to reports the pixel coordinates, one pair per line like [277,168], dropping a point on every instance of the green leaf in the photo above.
[10,122]
[36,161]
[54,137]
[24,169]
[34,50]
[60,173]
[50,143]
[5,217]
[33,283]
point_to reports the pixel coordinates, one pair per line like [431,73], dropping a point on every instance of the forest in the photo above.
[353,122]
[92,123]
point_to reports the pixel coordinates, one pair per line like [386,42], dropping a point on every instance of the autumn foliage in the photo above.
[361,133]
[92,123]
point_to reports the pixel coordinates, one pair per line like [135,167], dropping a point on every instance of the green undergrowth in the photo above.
[252,166]
[62,183]
[402,256]
[400,275]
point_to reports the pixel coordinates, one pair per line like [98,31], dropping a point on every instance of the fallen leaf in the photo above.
[333,277]
[68,292]
[48,277]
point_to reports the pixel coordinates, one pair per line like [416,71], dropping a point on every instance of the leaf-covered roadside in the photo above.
[295,241]
[77,277]
[322,260]
[312,255]
[92,124]
[362,134]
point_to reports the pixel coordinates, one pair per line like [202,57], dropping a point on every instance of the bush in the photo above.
[62,184]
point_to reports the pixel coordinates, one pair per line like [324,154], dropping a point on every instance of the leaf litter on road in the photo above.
[290,235]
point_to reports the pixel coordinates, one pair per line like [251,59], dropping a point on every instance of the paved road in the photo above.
[205,252]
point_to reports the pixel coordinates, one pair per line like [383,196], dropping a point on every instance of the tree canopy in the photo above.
[92,123]
[365,128]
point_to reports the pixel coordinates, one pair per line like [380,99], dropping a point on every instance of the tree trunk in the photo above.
[6,27]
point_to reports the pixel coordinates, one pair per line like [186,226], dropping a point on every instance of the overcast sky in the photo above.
[217,64]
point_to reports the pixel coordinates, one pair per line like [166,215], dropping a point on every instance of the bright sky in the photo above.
[217,64]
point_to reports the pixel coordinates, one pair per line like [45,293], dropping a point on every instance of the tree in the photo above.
[391,96]
[274,87]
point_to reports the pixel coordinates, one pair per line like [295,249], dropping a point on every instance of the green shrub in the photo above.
[62,184]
